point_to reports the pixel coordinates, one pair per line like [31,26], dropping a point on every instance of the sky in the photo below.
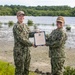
[70,3]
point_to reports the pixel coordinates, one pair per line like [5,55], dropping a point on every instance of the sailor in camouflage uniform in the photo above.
[56,41]
[21,46]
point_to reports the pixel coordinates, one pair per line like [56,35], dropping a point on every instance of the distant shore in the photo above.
[39,56]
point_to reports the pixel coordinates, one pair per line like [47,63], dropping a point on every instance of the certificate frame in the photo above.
[39,38]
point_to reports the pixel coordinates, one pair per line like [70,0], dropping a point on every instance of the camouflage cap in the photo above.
[60,19]
[20,13]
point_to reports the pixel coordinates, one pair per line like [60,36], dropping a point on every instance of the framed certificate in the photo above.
[39,38]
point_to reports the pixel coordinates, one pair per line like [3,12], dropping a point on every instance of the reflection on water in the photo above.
[7,35]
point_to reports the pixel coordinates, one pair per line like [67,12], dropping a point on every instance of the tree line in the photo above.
[37,10]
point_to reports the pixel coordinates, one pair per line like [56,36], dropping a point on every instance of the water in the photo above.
[71,34]
[7,35]
[38,19]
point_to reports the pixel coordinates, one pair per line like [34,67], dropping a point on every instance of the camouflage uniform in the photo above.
[56,43]
[21,49]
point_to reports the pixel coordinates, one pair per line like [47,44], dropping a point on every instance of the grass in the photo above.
[32,73]
[8,69]
[69,71]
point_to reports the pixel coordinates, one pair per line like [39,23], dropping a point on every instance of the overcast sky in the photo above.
[38,2]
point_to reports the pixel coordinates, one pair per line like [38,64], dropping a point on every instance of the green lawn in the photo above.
[8,69]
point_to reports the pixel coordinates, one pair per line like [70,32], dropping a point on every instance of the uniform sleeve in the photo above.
[47,40]
[31,34]
[58,40]
[28,28]
[65,36]
[21,37]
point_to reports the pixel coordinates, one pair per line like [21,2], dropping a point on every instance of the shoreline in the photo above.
[39,56]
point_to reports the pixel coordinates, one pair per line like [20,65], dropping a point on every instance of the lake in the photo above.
[38,19]
[7,35]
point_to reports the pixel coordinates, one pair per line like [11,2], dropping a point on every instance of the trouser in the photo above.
[57,65]
[22,61]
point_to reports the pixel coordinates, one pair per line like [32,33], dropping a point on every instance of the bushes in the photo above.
[8,69]
[53,24]
[69,71]
[0,24]
[68,28]
[10,23]
[30,22]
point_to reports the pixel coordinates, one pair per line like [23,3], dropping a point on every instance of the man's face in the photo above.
[20,18]
[60,24]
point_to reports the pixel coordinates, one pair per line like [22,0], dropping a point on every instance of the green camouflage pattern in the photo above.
[56,41]
[21,50]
